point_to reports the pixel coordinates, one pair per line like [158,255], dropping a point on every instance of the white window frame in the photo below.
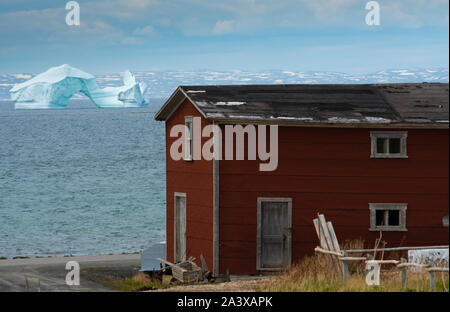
[189,140]
[388,228]
[402,135]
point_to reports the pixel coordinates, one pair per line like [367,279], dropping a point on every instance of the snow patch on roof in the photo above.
[419,120]
[195,91]
[215,115]
[245,117]
[293,118]
[233,103]
[342,120]
[377,119]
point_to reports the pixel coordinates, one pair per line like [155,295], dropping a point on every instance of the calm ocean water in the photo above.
[81,181]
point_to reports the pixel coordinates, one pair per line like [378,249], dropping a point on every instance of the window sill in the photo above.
[388,156]
[387,229]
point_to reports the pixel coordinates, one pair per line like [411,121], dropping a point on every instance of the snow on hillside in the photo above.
[162,83]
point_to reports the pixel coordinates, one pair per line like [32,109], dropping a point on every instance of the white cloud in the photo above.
[147,30]
[163,22]
[131,40]
[117,20]
[223,27]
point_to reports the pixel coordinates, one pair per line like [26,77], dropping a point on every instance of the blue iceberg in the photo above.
[54,88]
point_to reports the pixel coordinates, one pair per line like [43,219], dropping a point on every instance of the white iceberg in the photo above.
[54,88]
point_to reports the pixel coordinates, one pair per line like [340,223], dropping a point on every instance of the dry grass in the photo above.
[139,282]
[319,274]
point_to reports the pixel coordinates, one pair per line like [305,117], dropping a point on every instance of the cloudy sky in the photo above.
[322,35]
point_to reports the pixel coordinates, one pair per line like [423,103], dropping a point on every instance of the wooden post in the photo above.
[432,279]
[26,284]
[344,267]
[404,272]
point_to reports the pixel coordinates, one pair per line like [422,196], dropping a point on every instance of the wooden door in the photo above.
[274,233]
[180,227]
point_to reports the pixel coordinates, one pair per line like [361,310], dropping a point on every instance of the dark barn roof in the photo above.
[412,104]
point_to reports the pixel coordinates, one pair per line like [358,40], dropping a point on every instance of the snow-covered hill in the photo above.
[162,83]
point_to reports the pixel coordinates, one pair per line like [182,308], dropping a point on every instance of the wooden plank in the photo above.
[396,249]
[353,258]
[405,265]
[324,228]
[333,236]
[384,261]
[433,269]
[165,262]
[321,250]
[204,265]
[320,235]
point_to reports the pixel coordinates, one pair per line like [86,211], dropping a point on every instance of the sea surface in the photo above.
[81,180]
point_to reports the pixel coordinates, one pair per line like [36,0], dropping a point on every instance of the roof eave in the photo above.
[172,104]
[168,106]
[325,124]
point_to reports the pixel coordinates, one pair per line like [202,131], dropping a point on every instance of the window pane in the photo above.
[394,146]
[188,140]
[189,129]
[381,145]
[379,217]
[394,217]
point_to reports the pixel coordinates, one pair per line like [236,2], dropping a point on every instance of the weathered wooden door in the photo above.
[180,227]
[274,233]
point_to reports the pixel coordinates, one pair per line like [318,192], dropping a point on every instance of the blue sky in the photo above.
[142,35]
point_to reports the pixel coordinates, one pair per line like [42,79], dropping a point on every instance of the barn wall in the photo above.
[330,171]
[195,178]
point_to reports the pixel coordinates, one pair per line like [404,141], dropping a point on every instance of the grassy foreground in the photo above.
[139,282]
[121,278]
[319,274]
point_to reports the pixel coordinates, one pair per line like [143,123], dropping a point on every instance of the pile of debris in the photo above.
[182,272]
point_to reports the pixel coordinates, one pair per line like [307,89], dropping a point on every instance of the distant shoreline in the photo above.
[65,256]
[64,259]
[30,259]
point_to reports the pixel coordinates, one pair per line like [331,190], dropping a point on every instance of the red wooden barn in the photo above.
[370,157]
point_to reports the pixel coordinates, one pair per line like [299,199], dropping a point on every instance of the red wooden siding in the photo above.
[195,178]
[329,170]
